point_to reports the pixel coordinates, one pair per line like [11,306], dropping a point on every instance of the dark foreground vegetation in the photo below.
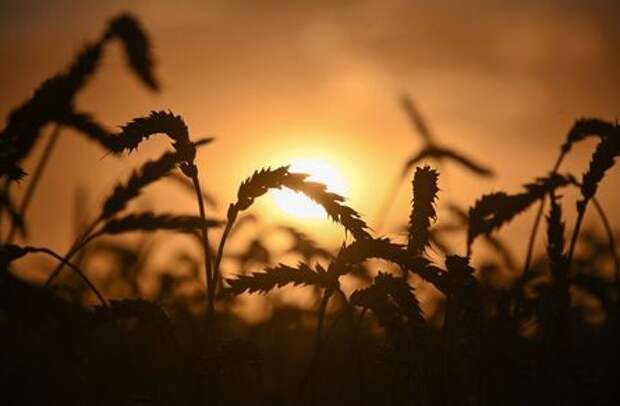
[545,332]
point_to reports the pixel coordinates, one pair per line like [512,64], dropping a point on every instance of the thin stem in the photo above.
[581,211]
[232,217]
[77,245]
[532,240]
[533,233]
[610,236]
[539,213]
[36,177]
[73,267]
[205,245]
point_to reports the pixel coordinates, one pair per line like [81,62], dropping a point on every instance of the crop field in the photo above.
[154,306]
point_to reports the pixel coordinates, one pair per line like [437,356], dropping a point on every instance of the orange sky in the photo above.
[503,81]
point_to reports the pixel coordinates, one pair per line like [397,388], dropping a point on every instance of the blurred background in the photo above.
[319,85]
[280,82]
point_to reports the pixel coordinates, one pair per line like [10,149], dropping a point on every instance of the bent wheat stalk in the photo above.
[19,252]
[603,159]
[611,241]
[78,244]
[173,126]
[261,181]
[582,128]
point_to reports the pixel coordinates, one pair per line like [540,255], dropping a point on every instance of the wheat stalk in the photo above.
[331,202]
[431,150]
[602,160]
[581,129]
[423,209]
[10,253]
[187,185]
[492,211]
[494,242]
[440,153]
[262,180]
[130,32]
[587,127]
[88,126]
[361,250]
[376,298]
[149,173]
[149,221]
[555,237]
[158,122]
[123,193]
[53,101]
[276,277]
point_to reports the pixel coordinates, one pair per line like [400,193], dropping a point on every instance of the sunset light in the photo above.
[298,205]
[347,203]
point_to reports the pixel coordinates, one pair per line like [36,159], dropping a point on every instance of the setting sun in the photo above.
[301,206]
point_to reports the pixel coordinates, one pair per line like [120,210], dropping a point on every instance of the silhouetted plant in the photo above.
[183,157]
[603,158]
[494,210]
[53,102]
[377,298]
[582,128]
[461,223]
[523,340]
[187,185]
[423,209]
[10,253]
[261,181]
[277,277]
[430,151]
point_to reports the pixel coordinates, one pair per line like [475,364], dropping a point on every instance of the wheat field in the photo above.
[441,312]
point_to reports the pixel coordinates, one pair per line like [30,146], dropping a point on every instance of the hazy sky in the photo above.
[501,80]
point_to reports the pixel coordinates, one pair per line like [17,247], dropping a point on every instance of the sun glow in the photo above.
[299,205]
